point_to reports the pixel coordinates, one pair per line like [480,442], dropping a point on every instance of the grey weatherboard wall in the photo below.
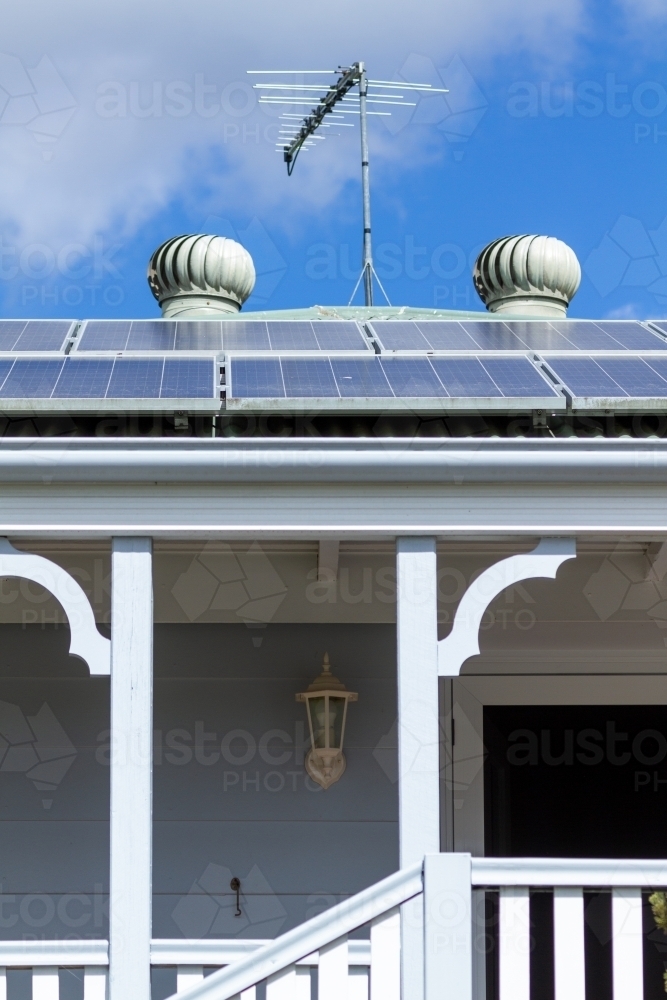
[226,802]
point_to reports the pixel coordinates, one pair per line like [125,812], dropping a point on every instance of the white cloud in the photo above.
[639,11]
[110,173]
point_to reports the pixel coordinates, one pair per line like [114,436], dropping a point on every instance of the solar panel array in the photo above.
[379,377]
[216,336]
[613,378]
[35,334]
[500,364]
[107,378]
[517,335]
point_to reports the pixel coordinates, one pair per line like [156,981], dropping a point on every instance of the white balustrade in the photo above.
[344,966]
[350,968]
[513,877]
[46,958]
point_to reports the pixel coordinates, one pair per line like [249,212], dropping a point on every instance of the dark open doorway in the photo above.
[578,781]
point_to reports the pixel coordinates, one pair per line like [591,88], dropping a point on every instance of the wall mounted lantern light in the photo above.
[326,703]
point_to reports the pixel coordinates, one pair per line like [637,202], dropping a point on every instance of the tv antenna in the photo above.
[335,101]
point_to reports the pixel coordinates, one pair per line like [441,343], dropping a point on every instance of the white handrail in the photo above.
[552,872]
[224,951]
[309,937]
[53,953]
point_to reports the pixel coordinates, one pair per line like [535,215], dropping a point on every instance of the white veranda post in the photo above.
[131,769]
[420,659]
[418,735]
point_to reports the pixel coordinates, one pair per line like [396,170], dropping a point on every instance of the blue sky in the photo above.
[117,132]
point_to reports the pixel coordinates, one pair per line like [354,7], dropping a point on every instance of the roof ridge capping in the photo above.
[536,276]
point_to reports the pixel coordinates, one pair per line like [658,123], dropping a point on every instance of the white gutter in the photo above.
[333,460]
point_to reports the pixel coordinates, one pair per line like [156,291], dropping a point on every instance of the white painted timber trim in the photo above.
[53,953]
[85,641]
[130,897]
[463,640]
[310,936]
[418,731]
[165,951]
[391,460]
[585,872]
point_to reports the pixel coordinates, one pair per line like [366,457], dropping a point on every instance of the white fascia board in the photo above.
[461,461]
[403,404]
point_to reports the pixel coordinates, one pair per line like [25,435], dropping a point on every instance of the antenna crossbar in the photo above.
[335,100]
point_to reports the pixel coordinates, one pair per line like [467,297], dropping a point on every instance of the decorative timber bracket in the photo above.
[85,642]
[463,640]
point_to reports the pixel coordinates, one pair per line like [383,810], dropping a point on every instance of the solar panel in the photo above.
[360,377]
[256,378]
[104,335]
[308,377]
[87,378]
[539,336]
[446,336]
[493,336]
[10,331]
[517,377]
[133,378]
[658,365]
[292,337]
[585,377]
[412,377]
[634,376]
[395,335]
[34,334]
[5,368]
[187,379]
[31,378]
[107,378]
[43,335]
[196,335]
[465,377]
[151,336]
[245,335]
[339,336]
[632,336]
[586,336]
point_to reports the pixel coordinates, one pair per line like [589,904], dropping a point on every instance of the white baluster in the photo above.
[358,983]
[188,975]
[333,971]
[386,957]
[285,985]
[45,983]
[626,924]
[3,983]
[94,982]
[570,973]
[514,930]
[250,994]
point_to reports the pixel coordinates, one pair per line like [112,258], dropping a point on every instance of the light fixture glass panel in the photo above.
[318,714]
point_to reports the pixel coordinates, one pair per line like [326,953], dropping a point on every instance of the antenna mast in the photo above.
[336,101]
[367,264]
